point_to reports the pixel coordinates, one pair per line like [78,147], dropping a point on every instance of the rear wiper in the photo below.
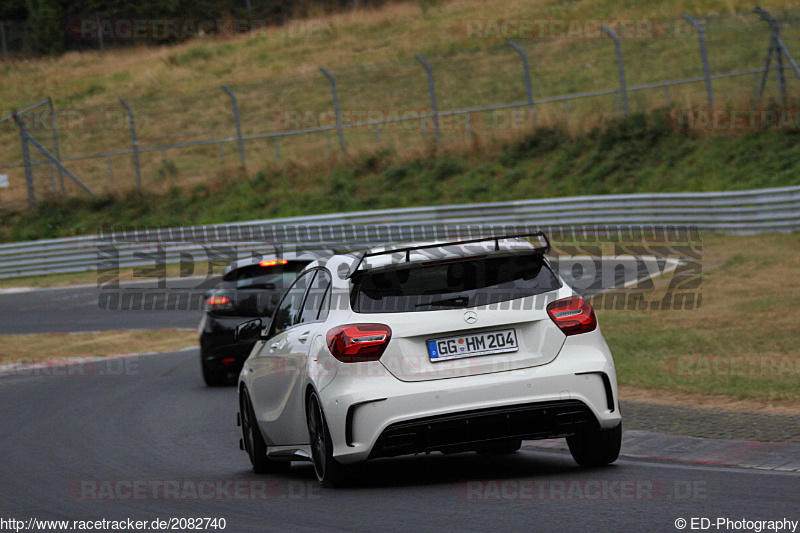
[459,301]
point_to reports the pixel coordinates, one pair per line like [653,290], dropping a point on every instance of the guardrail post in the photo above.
[235,105]
[56,148]
[431,93]
[134,144]
[26,158]
[774,48]
[336,109]
[620,67]
[527,71]
[701,36]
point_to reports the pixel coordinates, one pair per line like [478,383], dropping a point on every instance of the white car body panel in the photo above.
[405,385]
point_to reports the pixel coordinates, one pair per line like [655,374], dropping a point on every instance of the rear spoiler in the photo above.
[544,247]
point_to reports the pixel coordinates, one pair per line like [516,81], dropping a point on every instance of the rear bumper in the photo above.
[218,342]
[379,415]
[466,429]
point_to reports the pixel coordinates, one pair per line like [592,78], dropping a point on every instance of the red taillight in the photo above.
[219,303]
[273,263]
[573,315]
[355,343]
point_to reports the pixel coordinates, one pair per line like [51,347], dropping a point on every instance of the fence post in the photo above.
[26,157]
[99,31]
[701,36]
[620,67]
[431,93]
[766,70]
[3,39]
[774,47]
[336,109]
[56,148]
[789,57]
[235,105]
[527,71]
[134,145]
[31,139]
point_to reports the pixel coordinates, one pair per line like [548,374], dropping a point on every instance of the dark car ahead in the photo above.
[249,288]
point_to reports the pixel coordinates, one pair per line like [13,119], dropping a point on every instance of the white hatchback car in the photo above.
[472,345]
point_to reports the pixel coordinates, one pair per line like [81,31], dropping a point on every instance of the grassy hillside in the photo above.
[739,342]
[175,91]
[629,155]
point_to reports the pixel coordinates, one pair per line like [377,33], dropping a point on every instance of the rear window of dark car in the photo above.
[276,277]
[449,285]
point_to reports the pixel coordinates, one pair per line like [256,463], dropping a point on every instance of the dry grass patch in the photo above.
[743,341]
[48,346]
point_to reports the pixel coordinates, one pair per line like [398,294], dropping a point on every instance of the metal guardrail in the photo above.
[736,212]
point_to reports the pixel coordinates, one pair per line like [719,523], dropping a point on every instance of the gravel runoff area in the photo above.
[706,436]
[710,423]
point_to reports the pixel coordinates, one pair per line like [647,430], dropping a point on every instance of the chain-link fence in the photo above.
[575,79]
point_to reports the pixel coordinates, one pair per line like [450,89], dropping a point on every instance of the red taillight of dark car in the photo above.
[573,315]
[355,343]
[219,303]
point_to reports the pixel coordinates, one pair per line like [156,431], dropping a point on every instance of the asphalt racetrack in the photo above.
[142,438]
[106,444]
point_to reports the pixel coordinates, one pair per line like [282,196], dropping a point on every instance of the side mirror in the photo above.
[249,331]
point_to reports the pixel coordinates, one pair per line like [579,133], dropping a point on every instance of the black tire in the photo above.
[330,473]
[214,378]
[254,443]
[596,448]
[501,447]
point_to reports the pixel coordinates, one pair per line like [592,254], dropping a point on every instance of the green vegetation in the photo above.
[175,91]
[629,155]
[740,342]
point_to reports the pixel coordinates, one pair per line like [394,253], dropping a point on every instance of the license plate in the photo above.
[474,344]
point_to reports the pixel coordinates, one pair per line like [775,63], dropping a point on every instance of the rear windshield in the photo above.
[276,277]
[451,285]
